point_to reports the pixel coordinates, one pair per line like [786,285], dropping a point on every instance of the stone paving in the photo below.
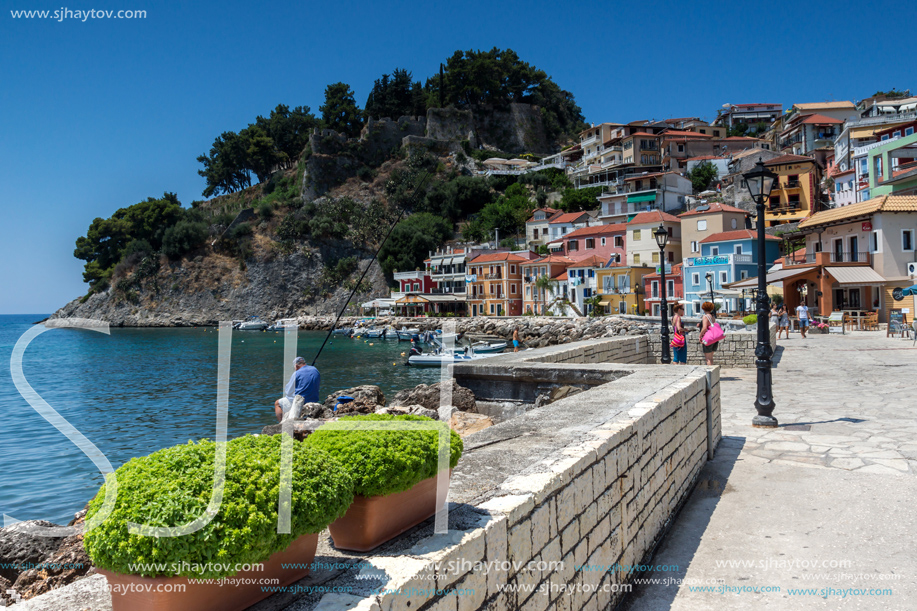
[843,401]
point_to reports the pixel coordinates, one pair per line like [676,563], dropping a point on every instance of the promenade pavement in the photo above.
[820,512]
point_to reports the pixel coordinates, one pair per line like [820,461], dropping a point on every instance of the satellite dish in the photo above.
[726,105]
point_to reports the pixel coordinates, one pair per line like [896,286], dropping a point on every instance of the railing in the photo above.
[792,184]
[820,258]
[849,257]
[448,291]
[862,150]
[880,120]
[588,141]
[493,276]
[825,136]
[408,275]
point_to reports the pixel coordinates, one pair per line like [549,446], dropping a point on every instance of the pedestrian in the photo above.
[679,353]
[784,321]
[775,316]
[304,382]
[802,311]
[516,340]
[706,324]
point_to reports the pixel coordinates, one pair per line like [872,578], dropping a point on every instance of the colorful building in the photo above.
[536,228]
[496,284]
[705,221]
[604,241]
[621,288]
[674,289]
[536,299]
[796,192]
[642,248]
[725,258]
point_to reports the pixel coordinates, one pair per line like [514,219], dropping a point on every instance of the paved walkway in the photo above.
[821,512]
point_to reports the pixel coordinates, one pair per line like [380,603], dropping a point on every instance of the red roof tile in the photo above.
[561,276]
[585,232]
[550,259]
[817,119]
[676,271]
[498,256]
[714,208]
[550,212]
[675,132]
[653,216]
[645,134]
[567,217]
[704,158]
[738,234]
[590,261]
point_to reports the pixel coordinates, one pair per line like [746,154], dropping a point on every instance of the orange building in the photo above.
[496,284]
[535,298]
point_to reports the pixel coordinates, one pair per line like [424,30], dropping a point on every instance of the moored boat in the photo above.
[253,324]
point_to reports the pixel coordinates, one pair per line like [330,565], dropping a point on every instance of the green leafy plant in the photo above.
[750,319]
[173,486]
[389,461]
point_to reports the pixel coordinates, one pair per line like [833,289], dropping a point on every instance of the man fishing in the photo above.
[304,382]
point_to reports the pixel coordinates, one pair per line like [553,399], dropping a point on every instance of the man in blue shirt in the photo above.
[304,382]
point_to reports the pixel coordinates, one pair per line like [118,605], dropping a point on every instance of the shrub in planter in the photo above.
[393,473]
[173,486]
[750,319]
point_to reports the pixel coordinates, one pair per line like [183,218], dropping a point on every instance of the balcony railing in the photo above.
[493,276]
[824,257]
[448,291]
[849,257]
[792,184]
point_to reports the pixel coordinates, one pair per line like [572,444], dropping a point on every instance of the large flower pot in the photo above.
[372,520]
[136,593]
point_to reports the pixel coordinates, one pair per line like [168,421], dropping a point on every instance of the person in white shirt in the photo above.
[802,312]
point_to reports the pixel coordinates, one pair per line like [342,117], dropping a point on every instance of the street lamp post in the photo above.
[709,277]
[662,237]
[760,181]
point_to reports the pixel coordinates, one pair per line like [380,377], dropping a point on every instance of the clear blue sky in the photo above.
[99,115]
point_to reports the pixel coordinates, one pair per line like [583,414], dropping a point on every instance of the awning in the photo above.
[778,276]
[379,303]
[605,301]
[647,197]
[412,299]
[859,276]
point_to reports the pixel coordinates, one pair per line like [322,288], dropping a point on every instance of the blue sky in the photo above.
[100,114]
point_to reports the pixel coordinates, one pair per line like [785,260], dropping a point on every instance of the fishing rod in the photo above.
[404,209]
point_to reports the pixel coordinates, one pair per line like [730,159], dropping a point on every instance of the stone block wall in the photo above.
[737,349]
[631,350]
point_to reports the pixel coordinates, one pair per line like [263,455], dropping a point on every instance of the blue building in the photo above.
[727,257]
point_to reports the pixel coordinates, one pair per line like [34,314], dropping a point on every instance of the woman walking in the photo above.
[680,353]
[708,321]
[784,321]
[775,316]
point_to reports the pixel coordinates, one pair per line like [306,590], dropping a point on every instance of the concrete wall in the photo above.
[737,349]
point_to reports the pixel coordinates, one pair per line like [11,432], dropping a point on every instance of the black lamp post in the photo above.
[709,277]
[662,237]
[760,181]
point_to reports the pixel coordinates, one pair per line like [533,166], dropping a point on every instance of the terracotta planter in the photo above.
[373,520]
[136,593]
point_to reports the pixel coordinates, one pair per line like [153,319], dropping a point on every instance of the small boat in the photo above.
[342,331]
[435,360]
[489,347]
[253,324]
[374,332]
[405,334]
[282,324]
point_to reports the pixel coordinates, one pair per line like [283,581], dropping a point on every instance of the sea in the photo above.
[134,391]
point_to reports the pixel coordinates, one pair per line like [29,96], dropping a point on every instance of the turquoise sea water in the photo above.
[138,390]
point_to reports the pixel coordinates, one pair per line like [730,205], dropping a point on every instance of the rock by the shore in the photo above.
[428,396]
[301,428]
[367,393]
[19,547]
[68,564]
[413,410]
[465,424]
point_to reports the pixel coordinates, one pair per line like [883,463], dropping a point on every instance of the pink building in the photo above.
[603,241]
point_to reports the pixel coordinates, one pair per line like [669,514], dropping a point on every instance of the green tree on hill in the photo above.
[289,129]
[579,200]
[507,215]
[702,175]
[411,241]
[395,96]
[458,198]
[498,78]
[340,111]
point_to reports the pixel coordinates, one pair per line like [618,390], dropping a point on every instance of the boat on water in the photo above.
[342,331]
[373,332]
[434,359]
[282,324]
[489,347]
[405,334]
[253,324]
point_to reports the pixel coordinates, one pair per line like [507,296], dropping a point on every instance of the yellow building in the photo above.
[621,288]
[795,194]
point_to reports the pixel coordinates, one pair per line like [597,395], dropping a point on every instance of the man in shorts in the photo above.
[304,382]
[803,313]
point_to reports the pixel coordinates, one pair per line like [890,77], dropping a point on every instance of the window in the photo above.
[591,273]
[636,234]
[655,257]
[670,287]
[636,259]
[572,245]
[907,239]
[723,278]
[544,270]
[681,148]
[619,241]
[714,250]
[695,307]
[512,269]
[884,137]
[416,286]
[590,243]
[695,278]
[655,286]
[512,289]
[908,131]
[702,225]
[492,311]
[694,247]
[528,292]
[743,274]
[671,257]
[735,223]
[875,241]
[738,249]
[603,241]
[563,230]
[896,134]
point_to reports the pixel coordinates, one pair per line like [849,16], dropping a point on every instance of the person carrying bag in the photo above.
[710,333]
[679,344]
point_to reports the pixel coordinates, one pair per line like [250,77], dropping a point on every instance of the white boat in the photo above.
[342,331]
[253,324]
[390,333]
[375,333]
[435,360]
[489,347]
[405,334]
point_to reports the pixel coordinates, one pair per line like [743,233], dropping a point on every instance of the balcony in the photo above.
[826,258]
[792,184]
[448,291]
[493,276]
[415,275]
[588,141]
[848,257]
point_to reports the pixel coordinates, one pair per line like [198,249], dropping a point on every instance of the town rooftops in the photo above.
[498,256]
[653,216]
[674,132]
[785,159]
[713,209]
[676,271]
[599,126]
[549,212]
[591,261]
[883,203]
[597,230]
[824,105]
[738,234]
[550,259]
[705,158]
[646,135]
[753,105]
[561,276]
[569,217]
[817,119]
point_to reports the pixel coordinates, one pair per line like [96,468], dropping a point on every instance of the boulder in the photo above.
[301,428]
[68,564]
[6,600]
[413,410]
[465,424]
[360,405]
[369,392]
[18,547]
[428,397]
